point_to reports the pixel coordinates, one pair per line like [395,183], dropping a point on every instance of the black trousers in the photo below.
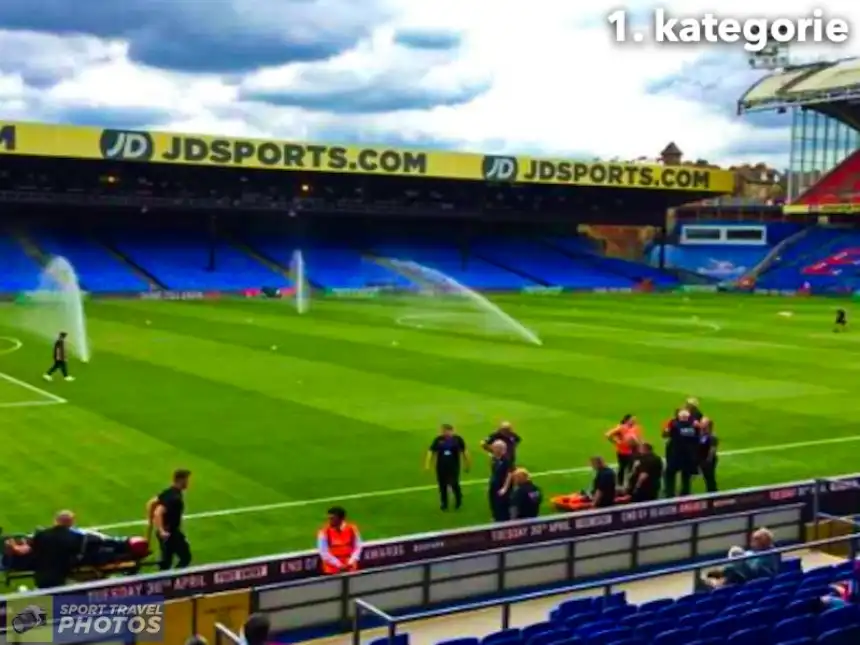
[59,365]
[449,480]
[670,484]
[645,495]
[709,474]
[175,546]
[500,507]
[625,465]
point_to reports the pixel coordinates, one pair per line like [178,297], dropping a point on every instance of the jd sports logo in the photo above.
[126,145]
[500,168]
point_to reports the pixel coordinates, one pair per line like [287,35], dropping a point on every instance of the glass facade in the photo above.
[818,144]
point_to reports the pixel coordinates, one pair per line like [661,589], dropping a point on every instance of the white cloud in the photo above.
[557,83]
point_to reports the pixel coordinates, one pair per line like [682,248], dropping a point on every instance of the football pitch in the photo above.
[280,416]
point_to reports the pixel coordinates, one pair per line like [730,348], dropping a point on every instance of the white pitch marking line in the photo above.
[30,404]
[36,390]
[262,508]
[15,345]
[53,399]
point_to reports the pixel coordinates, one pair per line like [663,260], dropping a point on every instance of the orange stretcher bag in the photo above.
[580,502]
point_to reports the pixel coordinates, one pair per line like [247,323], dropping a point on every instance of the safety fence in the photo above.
[501,560]
[392,623]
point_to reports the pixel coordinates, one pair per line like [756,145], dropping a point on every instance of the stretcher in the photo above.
[580,502]
[101,556]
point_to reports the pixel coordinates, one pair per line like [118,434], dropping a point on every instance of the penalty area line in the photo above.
[264,508]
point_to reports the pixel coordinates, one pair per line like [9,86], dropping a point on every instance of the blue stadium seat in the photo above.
[844,636]
[696,619]
[718,628]
[647,631]
[586,630]
[610,636]
[547,638]
[18,272]
[675,637]
[571,607]
[750,636]
[505,636]
[531,631]
[797,641]
[460,641]
[838,618]
[805,626]
[618,612]
[638,618]
[572,622]
[656,605]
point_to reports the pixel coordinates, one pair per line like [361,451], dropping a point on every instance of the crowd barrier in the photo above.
[363,608]
[459,566]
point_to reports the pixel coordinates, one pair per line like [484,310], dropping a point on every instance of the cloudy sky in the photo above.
[536,76]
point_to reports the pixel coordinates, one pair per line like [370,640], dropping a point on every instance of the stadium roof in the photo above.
[831,88]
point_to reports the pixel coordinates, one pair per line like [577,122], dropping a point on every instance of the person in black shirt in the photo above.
[506,434]
[682,452]
[448,450]
[841,321]
[165,515]
[647,475]
[59,359]
[708,443]
[603,488]
[55,551]
[527,498]
[500,482]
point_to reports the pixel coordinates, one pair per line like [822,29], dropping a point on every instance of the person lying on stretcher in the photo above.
[57,553]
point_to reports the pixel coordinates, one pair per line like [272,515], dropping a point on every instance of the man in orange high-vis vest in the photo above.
[626,437]
[338,543]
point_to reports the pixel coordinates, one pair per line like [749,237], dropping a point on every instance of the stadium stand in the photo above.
[783,610]
[98,270]
[450,260]
[545,264]
[790,270]
[18,271]
[180,262]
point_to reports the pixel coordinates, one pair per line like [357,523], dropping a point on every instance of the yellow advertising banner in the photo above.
[74,142]
[820,209]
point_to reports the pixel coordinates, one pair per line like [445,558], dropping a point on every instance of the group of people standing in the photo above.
[690,450]
[641,474]
[512,493]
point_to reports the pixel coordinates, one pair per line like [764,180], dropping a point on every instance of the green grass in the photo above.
[349,400]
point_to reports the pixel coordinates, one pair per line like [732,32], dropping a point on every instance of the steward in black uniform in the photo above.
[500,483]
[647,476]
[682,452]
[526,500]
[510,438]
[603,489]
[55,552]
[447,451]
[708,459]
[165,515]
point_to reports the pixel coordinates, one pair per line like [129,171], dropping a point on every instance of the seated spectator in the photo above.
[767,564]
[256,630]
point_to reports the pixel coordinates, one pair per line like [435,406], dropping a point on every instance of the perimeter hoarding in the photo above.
[74,142]
[838,497]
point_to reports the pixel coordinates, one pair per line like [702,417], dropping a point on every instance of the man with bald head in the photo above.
[55,551]
[506,434]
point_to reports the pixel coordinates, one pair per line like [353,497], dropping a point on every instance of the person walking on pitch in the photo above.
[59,360]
